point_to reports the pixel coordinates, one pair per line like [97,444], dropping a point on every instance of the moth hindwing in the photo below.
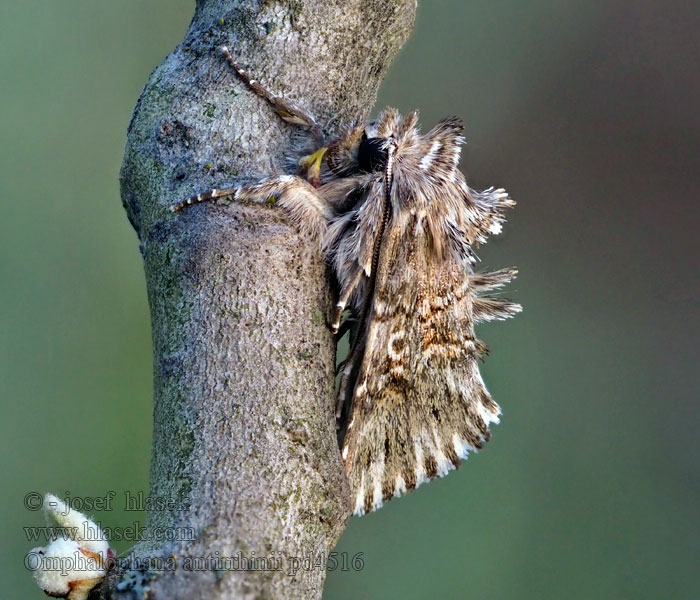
[397,222]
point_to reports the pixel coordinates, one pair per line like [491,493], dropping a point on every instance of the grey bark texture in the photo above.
[244,431]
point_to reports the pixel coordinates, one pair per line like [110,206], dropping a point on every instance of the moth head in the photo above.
[372,151]
[362,149]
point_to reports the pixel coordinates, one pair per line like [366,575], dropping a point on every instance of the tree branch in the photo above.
[244,431]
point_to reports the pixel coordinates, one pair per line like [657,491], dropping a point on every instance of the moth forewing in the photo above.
[419,404]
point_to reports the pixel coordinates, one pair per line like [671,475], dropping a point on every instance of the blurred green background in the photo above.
[586,111]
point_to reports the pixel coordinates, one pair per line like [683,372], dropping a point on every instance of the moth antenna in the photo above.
[386,214]
[343,399]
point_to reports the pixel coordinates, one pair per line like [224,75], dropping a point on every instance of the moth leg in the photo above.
[342,401]
[305,206]
[286,109]
[345,327]
[347,290]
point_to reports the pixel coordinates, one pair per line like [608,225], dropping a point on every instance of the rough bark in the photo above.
[243,361]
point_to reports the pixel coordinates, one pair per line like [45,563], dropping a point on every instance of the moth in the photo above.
[398,223]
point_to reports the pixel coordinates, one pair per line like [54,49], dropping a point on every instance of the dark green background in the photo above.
[586,111]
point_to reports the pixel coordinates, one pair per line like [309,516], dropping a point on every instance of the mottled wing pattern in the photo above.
[419,404]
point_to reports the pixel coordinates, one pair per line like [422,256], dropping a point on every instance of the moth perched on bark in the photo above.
[397,222]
